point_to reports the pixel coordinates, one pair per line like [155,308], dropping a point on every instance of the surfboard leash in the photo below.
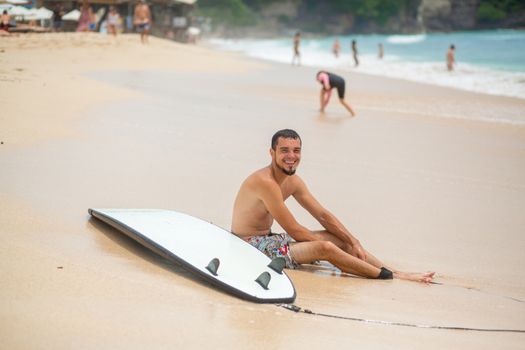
[475,289]
[298,309]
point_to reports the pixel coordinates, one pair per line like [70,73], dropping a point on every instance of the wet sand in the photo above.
[424,177]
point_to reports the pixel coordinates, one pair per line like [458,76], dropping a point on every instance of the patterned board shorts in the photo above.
[275,245]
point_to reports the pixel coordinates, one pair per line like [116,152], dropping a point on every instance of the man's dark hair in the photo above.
[285,133]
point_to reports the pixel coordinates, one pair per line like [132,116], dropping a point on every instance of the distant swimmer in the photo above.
[336,48]
[451,59]
[331,81]
[296,52]
[355,53]
[261,200]
[380,51]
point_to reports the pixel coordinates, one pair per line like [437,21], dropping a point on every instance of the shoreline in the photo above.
[403,59]
[179,127]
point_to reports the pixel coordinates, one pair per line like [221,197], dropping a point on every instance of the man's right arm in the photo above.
[271,195]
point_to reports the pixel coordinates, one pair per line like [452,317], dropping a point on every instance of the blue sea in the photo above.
[490,62]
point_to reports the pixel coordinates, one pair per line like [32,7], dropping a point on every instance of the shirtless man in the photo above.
[4,22]
[451,60]
[142,19]
[331,81]
[296,52]
[261,200]
[336,48]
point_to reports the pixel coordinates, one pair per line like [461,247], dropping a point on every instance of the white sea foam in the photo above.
[406,39]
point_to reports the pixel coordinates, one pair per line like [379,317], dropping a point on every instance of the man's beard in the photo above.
[287,172]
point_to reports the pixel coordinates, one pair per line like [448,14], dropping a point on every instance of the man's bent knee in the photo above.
[326,248]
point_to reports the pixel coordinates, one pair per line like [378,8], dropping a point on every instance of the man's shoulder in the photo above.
[259,177]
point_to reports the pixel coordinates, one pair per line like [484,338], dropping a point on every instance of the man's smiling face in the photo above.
[287,155]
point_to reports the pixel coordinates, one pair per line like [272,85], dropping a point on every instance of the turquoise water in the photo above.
[490,62]
[497,49]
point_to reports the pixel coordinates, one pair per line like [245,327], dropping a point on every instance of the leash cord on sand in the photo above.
[480,291]
[297,309]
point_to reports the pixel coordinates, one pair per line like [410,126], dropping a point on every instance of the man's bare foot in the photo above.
[425,277]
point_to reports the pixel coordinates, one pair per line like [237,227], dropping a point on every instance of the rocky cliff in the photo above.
[401,16]
[447,15]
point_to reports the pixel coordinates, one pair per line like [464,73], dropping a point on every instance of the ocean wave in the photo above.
[406,39]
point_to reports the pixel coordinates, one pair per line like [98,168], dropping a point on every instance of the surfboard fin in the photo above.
[278,265]
[264,279]
[213,266]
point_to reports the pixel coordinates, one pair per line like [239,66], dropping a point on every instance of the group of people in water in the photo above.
[336,50]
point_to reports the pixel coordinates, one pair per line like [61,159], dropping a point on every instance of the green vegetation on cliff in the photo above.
[497,10]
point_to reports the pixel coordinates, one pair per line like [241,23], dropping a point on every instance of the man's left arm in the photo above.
[328,220]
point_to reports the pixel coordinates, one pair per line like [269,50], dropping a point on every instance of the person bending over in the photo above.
[331,81]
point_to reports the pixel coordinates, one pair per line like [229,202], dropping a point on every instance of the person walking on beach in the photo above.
[58,23]
[296,52]
[330,81]
[4,23]
[336,48]
[113,21]
[261,199]
[86,16]
[380,51]
[142,20]
[354,53]
[451,60]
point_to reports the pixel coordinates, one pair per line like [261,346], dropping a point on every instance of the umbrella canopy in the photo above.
[17,11]
[72,16]
[39,14]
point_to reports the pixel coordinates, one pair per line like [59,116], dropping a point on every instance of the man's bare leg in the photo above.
[306,252]
[370,260]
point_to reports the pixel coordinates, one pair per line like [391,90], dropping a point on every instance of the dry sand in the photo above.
[89,121]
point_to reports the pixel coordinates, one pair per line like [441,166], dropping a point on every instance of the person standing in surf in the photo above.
[336,48]
[331,81]
[355,53]
[296,52]
[451,60]
[260,201]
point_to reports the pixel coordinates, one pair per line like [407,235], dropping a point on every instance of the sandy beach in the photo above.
[424,176]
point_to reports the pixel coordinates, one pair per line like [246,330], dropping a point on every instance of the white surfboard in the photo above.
[219,256]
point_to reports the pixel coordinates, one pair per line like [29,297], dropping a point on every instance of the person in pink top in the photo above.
[330,81]
[86,15]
